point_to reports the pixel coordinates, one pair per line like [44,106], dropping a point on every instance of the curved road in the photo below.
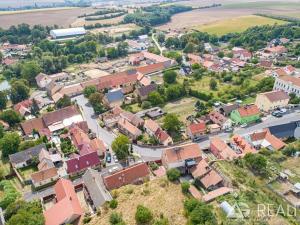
[149,154]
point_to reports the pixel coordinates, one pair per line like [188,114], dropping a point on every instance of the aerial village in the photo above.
[86,132]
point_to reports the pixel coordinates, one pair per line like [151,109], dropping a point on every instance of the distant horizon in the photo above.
[23,3]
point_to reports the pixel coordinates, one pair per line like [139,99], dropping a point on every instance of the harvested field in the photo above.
[159,195]
[229,9]
[81,21]
[116,30]
[238,24]
[62,17]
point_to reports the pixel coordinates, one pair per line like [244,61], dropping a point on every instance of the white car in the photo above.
[244,125]
[115,158]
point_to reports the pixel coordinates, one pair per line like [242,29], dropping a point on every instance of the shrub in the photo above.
[116,218]
[143,215]
[173,174]
[113,204]
[185,187]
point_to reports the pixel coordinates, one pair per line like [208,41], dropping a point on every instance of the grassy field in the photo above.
[35,10]
[160,196]
[238,24]
[182,108]
[263,5]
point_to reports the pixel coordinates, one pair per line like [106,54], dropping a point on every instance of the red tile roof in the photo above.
[294,80]
[196,128]
[161,135]
[211,179]
[67,206]
[34,124]
[200,169]
[216,193]
[249,110]
[82,162]
[126,176]
[224,151]
[275,96]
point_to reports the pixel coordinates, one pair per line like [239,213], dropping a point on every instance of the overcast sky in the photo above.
[19,3]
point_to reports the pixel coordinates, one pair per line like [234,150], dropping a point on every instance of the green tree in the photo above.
[3,100]
[116,219]
[30,70]
[161,37]
[143,215]
[155,98]
[89,90]
[170,76]
[185,187]
[171,123]
[19,91]
[203,214]
[290,150]
[95,98]
[221,54]
[10,194]
[9,144]
[121,147]
[1,57]
[213,84]
[63,102]
[173,174]
[256,162]
[11,117]
[189,48]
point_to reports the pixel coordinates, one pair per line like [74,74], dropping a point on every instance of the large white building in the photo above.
[288,84]
[67,33]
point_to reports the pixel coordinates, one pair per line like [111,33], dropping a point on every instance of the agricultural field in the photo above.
[63,17]
[159,195]
[230,9]
[81,21]
[237,24]
[116,30]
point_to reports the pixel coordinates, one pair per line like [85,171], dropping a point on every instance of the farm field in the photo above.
[63,17]
[238,24]
[116,30]
[159,195]
[81,21]
[229,9]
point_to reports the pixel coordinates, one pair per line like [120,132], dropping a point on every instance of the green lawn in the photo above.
[27,171]
[182,108]
[238,24]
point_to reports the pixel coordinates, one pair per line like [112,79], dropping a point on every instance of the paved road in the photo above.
[149,154]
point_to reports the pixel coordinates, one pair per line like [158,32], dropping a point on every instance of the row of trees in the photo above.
[154,15]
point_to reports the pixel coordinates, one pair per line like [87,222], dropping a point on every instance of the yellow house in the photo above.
[271,100]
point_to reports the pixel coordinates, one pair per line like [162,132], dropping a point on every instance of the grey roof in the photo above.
[94,185]
[145,90]
[284,130]
[68,32]
[227,109]
[27,154]
[114,95]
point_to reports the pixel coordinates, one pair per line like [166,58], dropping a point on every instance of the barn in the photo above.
[67,33]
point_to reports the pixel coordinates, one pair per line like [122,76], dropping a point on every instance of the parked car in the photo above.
[115,158]
[277,113]
[244,125]
[108,157]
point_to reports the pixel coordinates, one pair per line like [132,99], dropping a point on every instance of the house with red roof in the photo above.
[212,180]
[245,114]
[271,100]
[24,107]
[241,146]
[131,175]
[66,209]
[221,150]
[79,163]
[181,157]
[241,53]
[196,130]
[163,137]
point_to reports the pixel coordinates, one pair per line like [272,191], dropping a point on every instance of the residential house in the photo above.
[113,98]
[79,163]
[25,158]
[264,139]
[196,130]
[241,146]
[129,129]
[132,118]
[144,91]
[151,127]
[53,88]
[47,171]
[194,59]
[94,189]
[131,175]
[214,128]
[212,180]
[218,118]
[200,170]
[241,53]
[111,118]
[272,100]
[286,130]
[288,84]
[245,114]
[42,80]
[221,150]
[181,157]
[275,50]
[227,109]
[24,107]
[163,137]
[66,209]
[53,121]
[266,64]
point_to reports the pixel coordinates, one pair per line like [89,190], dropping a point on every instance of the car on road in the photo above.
[115,158]
[277,113]
[108,157]
[244,125]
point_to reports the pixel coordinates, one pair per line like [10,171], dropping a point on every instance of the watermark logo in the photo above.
[241,210]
